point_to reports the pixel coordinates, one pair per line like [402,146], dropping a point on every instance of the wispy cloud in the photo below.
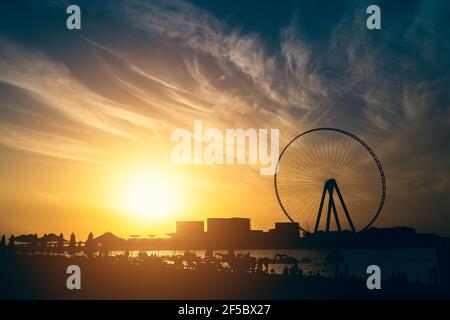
[228,78]
[195,28]
[52,85]
[48,144]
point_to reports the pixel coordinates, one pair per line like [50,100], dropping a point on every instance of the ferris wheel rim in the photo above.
[360,141]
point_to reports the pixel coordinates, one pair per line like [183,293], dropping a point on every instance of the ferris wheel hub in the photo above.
[330,183]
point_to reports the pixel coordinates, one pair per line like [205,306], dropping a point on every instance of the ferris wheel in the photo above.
[330,179]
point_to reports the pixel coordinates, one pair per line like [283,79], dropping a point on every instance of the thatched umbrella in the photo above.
[51,237]
[26,238]
[110,241]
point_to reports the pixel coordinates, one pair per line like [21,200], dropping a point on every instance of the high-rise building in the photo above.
[228,233]
[289,230]
[285,234]
[222,225]
[190,234]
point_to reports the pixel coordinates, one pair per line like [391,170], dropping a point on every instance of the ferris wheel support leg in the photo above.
[345,209]
[319,214]
[336,218]
[330,195]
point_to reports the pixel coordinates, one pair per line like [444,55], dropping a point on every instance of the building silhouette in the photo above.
[189,234]
[236,233]
[232,233]
[284,235]
[228,233]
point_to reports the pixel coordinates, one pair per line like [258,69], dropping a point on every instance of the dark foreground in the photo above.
[44,277]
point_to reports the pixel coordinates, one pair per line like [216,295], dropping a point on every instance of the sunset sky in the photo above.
[86,116]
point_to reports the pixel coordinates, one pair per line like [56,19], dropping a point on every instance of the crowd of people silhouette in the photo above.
[28,261]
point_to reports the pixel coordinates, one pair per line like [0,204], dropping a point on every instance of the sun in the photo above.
[149,196]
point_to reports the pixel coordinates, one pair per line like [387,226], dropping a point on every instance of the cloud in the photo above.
[52,85]
[405,108]
[48,144]
[383,86]
[197,29]
[217,99]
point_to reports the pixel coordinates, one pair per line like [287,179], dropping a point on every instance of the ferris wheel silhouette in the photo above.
[333,164]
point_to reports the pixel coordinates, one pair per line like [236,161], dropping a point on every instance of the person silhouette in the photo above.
[34,244]
[2,245]
[71,249]
[3,242]
[89,246]
[11,244]
[60,244]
